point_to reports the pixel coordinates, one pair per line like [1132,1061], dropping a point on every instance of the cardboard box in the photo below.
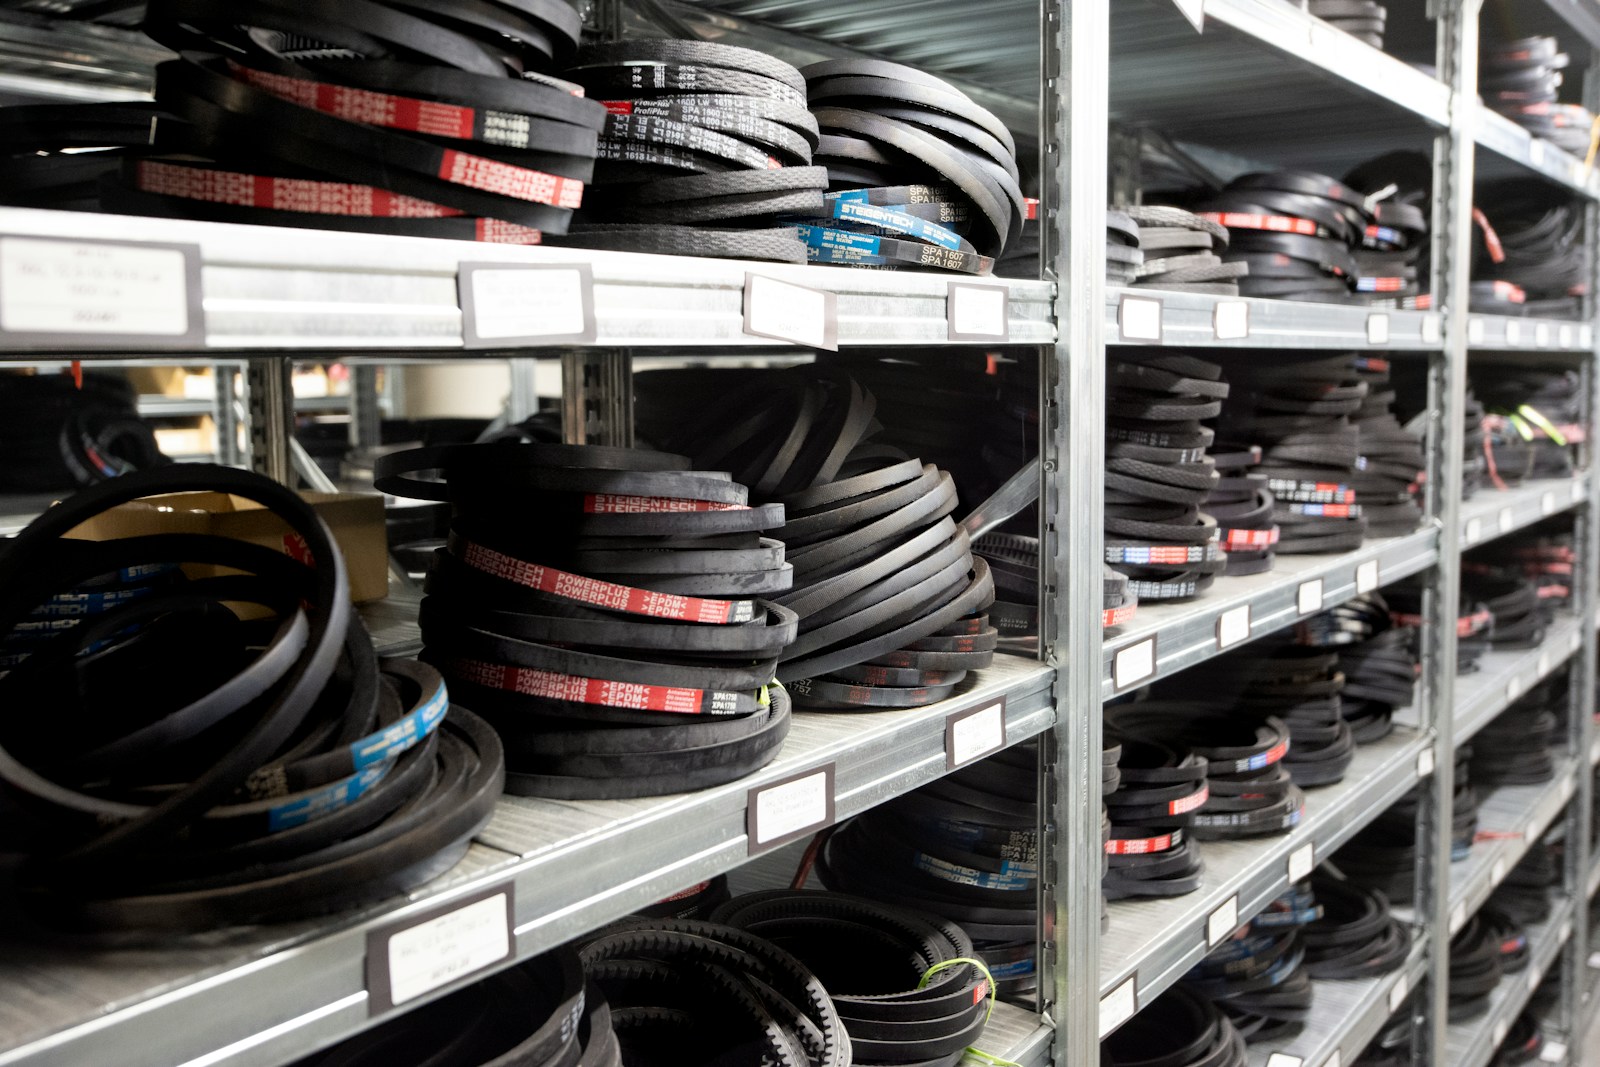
[356,520]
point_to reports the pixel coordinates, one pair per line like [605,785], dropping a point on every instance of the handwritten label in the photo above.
[1377,329]
[788,312]
[1367,576]
[100,294]
[1301,861]
[789,809]
[978,312]
[504,305]
[1233,627]
[1116,1007]
[1132,665]
[1222,922]
[1308,597]
[1230,320]
[415,956]
[1139,318]
[975,733]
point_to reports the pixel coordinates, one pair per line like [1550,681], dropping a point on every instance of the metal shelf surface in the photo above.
[1013,1034]
[268,996]
[1510,820]
[1187,633]
[1509,333]
[1474,1042]
[275,288]
[1505,138]
[1154,942]
[1196,320]
[1502,677]
[1346,1016]
[1490,513]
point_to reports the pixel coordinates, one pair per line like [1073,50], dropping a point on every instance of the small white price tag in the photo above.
[1477,331]
[1117,1007]
[1586,337]
[1507,520]
[788,312]
[1594,751]
[1553,1051]
[789,809]
[1533,980]
[1513,689]
[1544,663]
[1565,932]
[1497,873]
[1472,533]
[1194,11]
[1536,157]
[1367,576]
[974,733]
[505,305]
[1222,923]
[1233,626]
[1499,1036]
[1397,994]
[1566,790]
[1564,336]
[1580,490]
[1458,917]
[1513,333]
[1333,1060]
[1377,329]
[416,956]
[1132,665]
[1573,641]
[99,294]
[1547,502]
[1425,763]
[1139,318]
[1594,961]
[1541,334]
[1283,1059]
[1301,861]
[1230,320]
[1308,598]
[1432,333]
[978,312]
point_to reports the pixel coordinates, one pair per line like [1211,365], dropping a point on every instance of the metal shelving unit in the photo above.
[1149,68]
[1472,1043]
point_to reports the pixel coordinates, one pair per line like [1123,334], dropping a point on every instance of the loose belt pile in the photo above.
[1124,251]
[606,610]
[1524,1041]
[60,155]
[1536,411]
[918,174]
[903,982]
[1158,788]
[1157,473]
[392,117]
[1180,1028]
[1299,413]
[1516,747]
[965,848]
[57,435]
[1530,238]
[1392,257]
[1295,232]
[1390,468]
[1474,969]
[1242,505]
[1375,657]
[538,1014]
[1355,937]
[1524,896]
[1522,79]
[1181,252]
[1362,19]
[1259,975]
[705,148]
[682,991]
[272,767]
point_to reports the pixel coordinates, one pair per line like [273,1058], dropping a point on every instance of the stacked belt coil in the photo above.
[1549,559]
[624,644]
[1258,976]
[1376,658]
[1534,422]
[1180,1028]
[58,435]
[1157,473]
[59,155]
[1524,1042]
[1299,413]
[1362,19]
[1179,251]
[1382,856]
[1159,786]
[965,848]
[704,148]
[1390,467]
[1524,897]
[919,176]
[1517,747]
[1528,244]
[1124,254]
[542,1013]
[903,983]
[1355,937]
[1475,969]
[389,117]
[1392,257]
[1521,79]
[275,767]
[1296,233]
[1242,504]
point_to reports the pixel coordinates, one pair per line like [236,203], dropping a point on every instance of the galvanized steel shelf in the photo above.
[1196,320]
[1502,677]
[1474,1043]
[1154,942]
[1500,135]
[1491,513]
[1510,333]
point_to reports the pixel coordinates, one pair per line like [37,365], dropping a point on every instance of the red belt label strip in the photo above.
[1232,539]
[1240,220]
[1184,805]
[519,183]
[574,688]
[1143,846]
[374,109]
[608,595]
[615,504]
[1118,616]
[283,194]
[494,231]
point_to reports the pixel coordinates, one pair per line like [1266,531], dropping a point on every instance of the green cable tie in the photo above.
[1535,416]
[990,1058]
[1520,425]
[987,1057]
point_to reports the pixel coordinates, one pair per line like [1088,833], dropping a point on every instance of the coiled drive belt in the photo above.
[1356,937]
[1180,1028]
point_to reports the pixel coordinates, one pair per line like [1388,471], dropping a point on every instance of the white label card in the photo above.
[1594,961]
[1367,576]
[1233,627]
[1477,331]
[978,312]
[1139,318]
[1536,157]
[1230,320]
[1432,332]
[1333,1060]
[1301,862]
[1553,1052]
[1513,689]
[1458,917]
[1594,751]
[1566,932]
[1425,763]
[100,294]
[1497,873]
[1533,979]
[1566,789]
[1117,1007]
[1541,335]
[1585,337]
[1513,333]
[1222,923]
[1547,502]
[788,810]
[416,956]
[975,733]
[1499,1035]
[1397,994]
[1132,665]
[1283,1059]
[1308,597]
[1377,329]
[507,304]
[788,312]
[1580,490]
[1194,11]
[1473,531]
[1544,664]
[1564,336]
[1508,520]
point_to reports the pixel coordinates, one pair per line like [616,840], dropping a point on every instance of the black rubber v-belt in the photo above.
[1158,789]
[1356,937]
[1258,976]
[1474,969]
[541,1013]
[926,1007]
[1516,748]
[1509,936]
[683,991]
[1180,1028]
